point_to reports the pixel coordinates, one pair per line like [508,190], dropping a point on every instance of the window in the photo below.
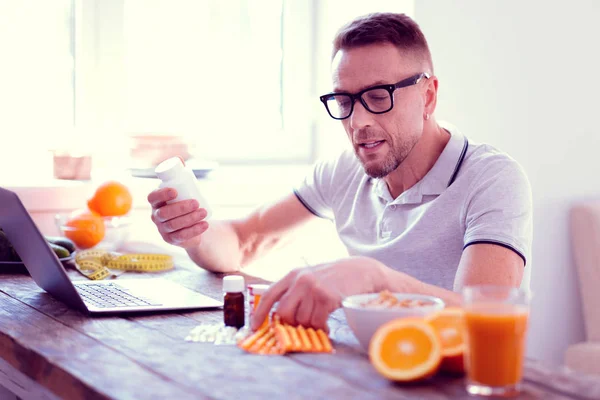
[211,70]
[233,77]
[239,79]
[36,77]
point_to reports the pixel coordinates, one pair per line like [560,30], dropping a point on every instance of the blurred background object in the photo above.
[148,150]
[72,166]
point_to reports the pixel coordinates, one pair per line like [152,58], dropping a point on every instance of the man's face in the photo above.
[381,141]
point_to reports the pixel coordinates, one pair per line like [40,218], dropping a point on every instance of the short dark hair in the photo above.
[397,29]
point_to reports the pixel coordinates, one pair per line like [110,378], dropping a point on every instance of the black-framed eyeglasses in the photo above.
[376,99]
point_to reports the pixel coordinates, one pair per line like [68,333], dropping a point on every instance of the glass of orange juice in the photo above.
[495,325]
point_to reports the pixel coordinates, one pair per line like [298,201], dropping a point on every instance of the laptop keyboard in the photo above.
[111,295]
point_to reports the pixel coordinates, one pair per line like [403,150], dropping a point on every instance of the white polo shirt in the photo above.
[473,194]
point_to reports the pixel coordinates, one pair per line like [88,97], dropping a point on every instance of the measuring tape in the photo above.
[96,264]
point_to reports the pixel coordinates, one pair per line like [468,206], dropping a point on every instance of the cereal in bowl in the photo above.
[387,300]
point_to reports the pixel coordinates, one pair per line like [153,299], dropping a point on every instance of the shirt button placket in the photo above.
[385,233]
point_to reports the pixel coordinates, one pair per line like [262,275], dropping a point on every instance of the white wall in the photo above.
[523,76]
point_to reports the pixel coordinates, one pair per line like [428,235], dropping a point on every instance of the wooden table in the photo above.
[50,351]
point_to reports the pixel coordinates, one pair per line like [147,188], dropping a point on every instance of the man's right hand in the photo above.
[181,223]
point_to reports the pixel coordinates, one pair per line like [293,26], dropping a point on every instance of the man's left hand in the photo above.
[308,295]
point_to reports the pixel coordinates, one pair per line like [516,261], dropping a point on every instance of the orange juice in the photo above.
[495,348]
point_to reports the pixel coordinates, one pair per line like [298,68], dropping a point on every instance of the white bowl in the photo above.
[364,321]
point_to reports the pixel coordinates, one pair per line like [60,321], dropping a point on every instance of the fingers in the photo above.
[298,307]
[270,297]
[288,307]
[170,211]
[319,318]
[304,311]
[159,197]
[185,221]
[301,302]
[184,235]
[180,223]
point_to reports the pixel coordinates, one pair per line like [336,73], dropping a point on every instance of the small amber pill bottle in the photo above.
[233,301]
[255,292]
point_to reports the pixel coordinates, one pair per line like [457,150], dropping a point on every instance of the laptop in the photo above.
[93,297]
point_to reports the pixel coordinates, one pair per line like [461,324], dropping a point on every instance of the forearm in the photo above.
[227,246]
[400,282]
[219,249]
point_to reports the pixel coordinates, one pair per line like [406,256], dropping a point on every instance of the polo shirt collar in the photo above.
[439,177]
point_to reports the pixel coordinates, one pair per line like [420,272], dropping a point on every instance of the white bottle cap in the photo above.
[257,288]
[169,169]
[233,284]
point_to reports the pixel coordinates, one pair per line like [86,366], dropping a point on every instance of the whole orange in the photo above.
[85,228]
[111,199]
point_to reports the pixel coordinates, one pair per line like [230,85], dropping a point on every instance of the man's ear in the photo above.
[431,94]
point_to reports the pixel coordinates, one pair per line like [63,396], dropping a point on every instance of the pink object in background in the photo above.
[72,167]
[151,149]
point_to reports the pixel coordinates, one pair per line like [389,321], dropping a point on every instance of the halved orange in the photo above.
[406,350]
[449,325]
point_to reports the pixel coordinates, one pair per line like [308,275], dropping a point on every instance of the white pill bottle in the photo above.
[174,174]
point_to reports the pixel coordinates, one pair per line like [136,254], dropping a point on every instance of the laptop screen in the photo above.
[39,259]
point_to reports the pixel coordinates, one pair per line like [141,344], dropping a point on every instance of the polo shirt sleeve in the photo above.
[315,191]
[498,209]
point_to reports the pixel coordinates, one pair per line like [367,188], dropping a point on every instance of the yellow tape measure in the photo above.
[96,264]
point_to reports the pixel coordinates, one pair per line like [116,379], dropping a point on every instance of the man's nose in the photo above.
[360,117]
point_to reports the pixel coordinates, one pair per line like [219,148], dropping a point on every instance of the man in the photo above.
[419,208]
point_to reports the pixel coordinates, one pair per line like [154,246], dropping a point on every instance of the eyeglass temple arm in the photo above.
[413,80]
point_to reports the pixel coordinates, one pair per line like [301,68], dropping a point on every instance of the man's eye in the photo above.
[377,97]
